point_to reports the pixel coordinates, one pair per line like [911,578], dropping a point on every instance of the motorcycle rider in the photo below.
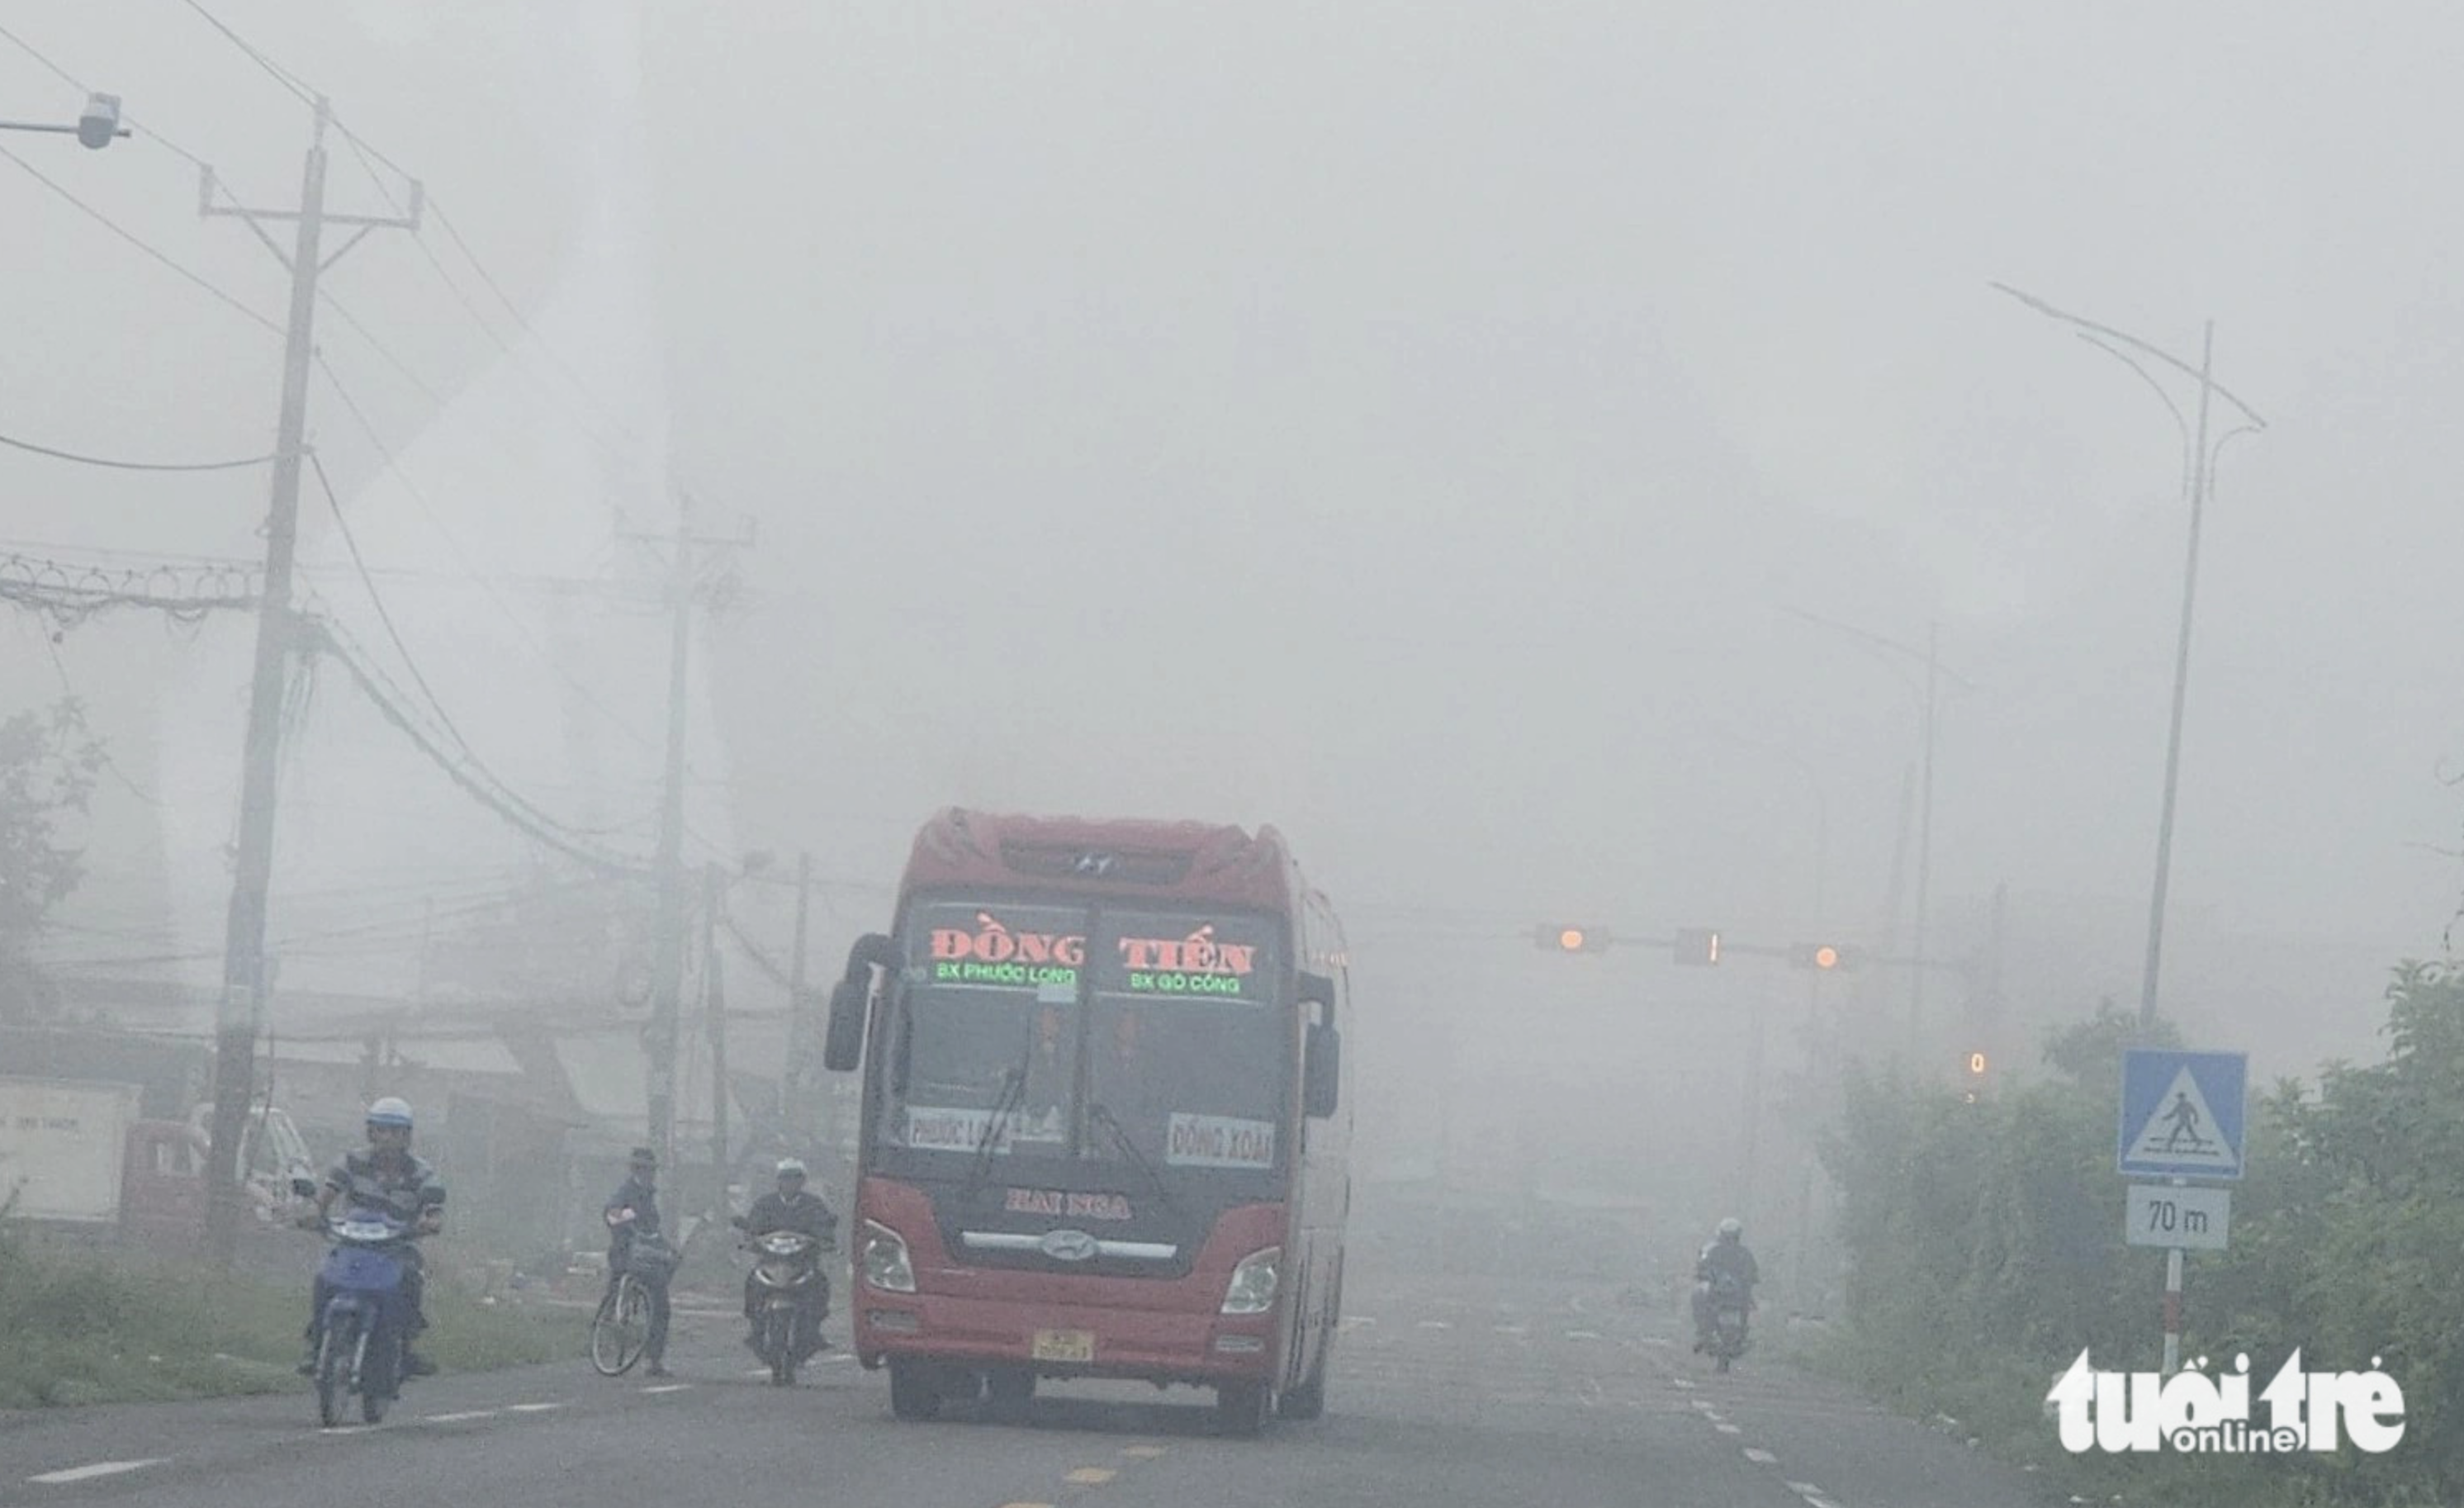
[790,1208]
[1725,1256]
[633,1213]
[387,1176]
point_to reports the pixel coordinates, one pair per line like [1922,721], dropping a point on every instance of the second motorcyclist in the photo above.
[790,1207]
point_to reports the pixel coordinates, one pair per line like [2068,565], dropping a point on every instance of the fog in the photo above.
[1421,428]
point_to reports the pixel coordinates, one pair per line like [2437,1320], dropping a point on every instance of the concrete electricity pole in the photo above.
[661,1039]
[240,1015]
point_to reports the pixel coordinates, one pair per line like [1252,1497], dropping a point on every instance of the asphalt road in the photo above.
[1446,1392]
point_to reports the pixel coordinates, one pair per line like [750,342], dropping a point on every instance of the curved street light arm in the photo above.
[2110,333]
[2158,387]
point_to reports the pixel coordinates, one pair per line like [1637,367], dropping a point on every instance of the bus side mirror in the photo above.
[1322,1077]
[852,1001]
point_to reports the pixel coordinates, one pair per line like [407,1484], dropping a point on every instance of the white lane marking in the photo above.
[84,1474]
[1725,1427]
[1760,1456]
[1655,1339]
[1582,1335]
[668,1387]
[1817,1500]
[346,1429]
[1805,1488]
[1681,1382]
[838,1356]
[1513,1329]
[1437,1324]
[458,1418]
[1354,1322]
[532,1407]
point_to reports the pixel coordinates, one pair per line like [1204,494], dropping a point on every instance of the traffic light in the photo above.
[1560,936]
[1698,945]
[1829,957]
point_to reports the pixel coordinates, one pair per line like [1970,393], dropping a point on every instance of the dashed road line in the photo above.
[460,1418]
[668,1387]
[1513,1329]
[1142,1453]
[1582,1335]
[1437,1324]
[87,1474]
[1091,1476]
[532,1408]
[1760,1456]
[1725,1427]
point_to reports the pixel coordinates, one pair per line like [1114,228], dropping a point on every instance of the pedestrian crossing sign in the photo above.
[2182,1114]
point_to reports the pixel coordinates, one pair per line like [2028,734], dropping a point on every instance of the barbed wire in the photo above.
[68,594]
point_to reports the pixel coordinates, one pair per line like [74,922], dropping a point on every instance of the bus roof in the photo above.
[1155,860]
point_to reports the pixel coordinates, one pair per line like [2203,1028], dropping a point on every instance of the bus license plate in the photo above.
[1064,1345]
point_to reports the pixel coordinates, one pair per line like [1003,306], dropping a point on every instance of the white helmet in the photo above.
[390,1112]
[1731,1228]
[791,1167]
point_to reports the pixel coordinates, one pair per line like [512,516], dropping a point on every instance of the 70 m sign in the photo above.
[2181,1218]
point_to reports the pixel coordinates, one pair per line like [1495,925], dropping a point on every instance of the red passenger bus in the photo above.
[1104,1129]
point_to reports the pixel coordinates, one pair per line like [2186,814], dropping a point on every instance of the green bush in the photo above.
[1986,1252]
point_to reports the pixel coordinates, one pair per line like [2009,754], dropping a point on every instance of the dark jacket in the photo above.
[644,1201]
[1729,1257]
[807,1213]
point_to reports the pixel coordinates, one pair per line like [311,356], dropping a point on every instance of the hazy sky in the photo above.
[1407,424]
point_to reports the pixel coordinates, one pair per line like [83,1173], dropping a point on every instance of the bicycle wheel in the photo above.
[617,1335]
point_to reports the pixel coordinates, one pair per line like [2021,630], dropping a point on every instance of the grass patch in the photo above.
[89,1325]
[1998,1409]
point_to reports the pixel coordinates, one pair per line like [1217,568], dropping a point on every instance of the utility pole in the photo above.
[1925,845]
[661,1038]
[240,1014]
[714,996]
[803,1038]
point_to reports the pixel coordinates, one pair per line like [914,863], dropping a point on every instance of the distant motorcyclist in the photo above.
[791,1208]
[632,1215]
[1725,1256]
[386,1177]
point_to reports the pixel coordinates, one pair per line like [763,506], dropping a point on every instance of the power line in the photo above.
[28,48]
[124,465]
[528,637]
[281,75]
[116,229]
[499,801]
[351,543]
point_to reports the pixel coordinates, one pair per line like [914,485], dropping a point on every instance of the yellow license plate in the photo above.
[1064,1345]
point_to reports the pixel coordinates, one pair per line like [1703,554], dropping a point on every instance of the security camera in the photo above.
[101,122]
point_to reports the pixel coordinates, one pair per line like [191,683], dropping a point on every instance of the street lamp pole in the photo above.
[2181,687]
[2202,472]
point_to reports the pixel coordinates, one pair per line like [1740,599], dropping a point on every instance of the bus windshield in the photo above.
[1108,1036]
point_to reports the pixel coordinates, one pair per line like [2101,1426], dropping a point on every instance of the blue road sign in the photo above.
[2182,1114]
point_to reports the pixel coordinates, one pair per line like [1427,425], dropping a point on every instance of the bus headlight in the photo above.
[886,1266]
[1252,1288]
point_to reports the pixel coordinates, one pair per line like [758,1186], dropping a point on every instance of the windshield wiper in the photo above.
[1097,1111]
[1013,1094]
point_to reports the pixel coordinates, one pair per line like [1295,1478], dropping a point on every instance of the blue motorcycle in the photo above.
[367,1318]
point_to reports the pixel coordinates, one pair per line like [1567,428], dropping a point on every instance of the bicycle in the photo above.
[621,1330]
